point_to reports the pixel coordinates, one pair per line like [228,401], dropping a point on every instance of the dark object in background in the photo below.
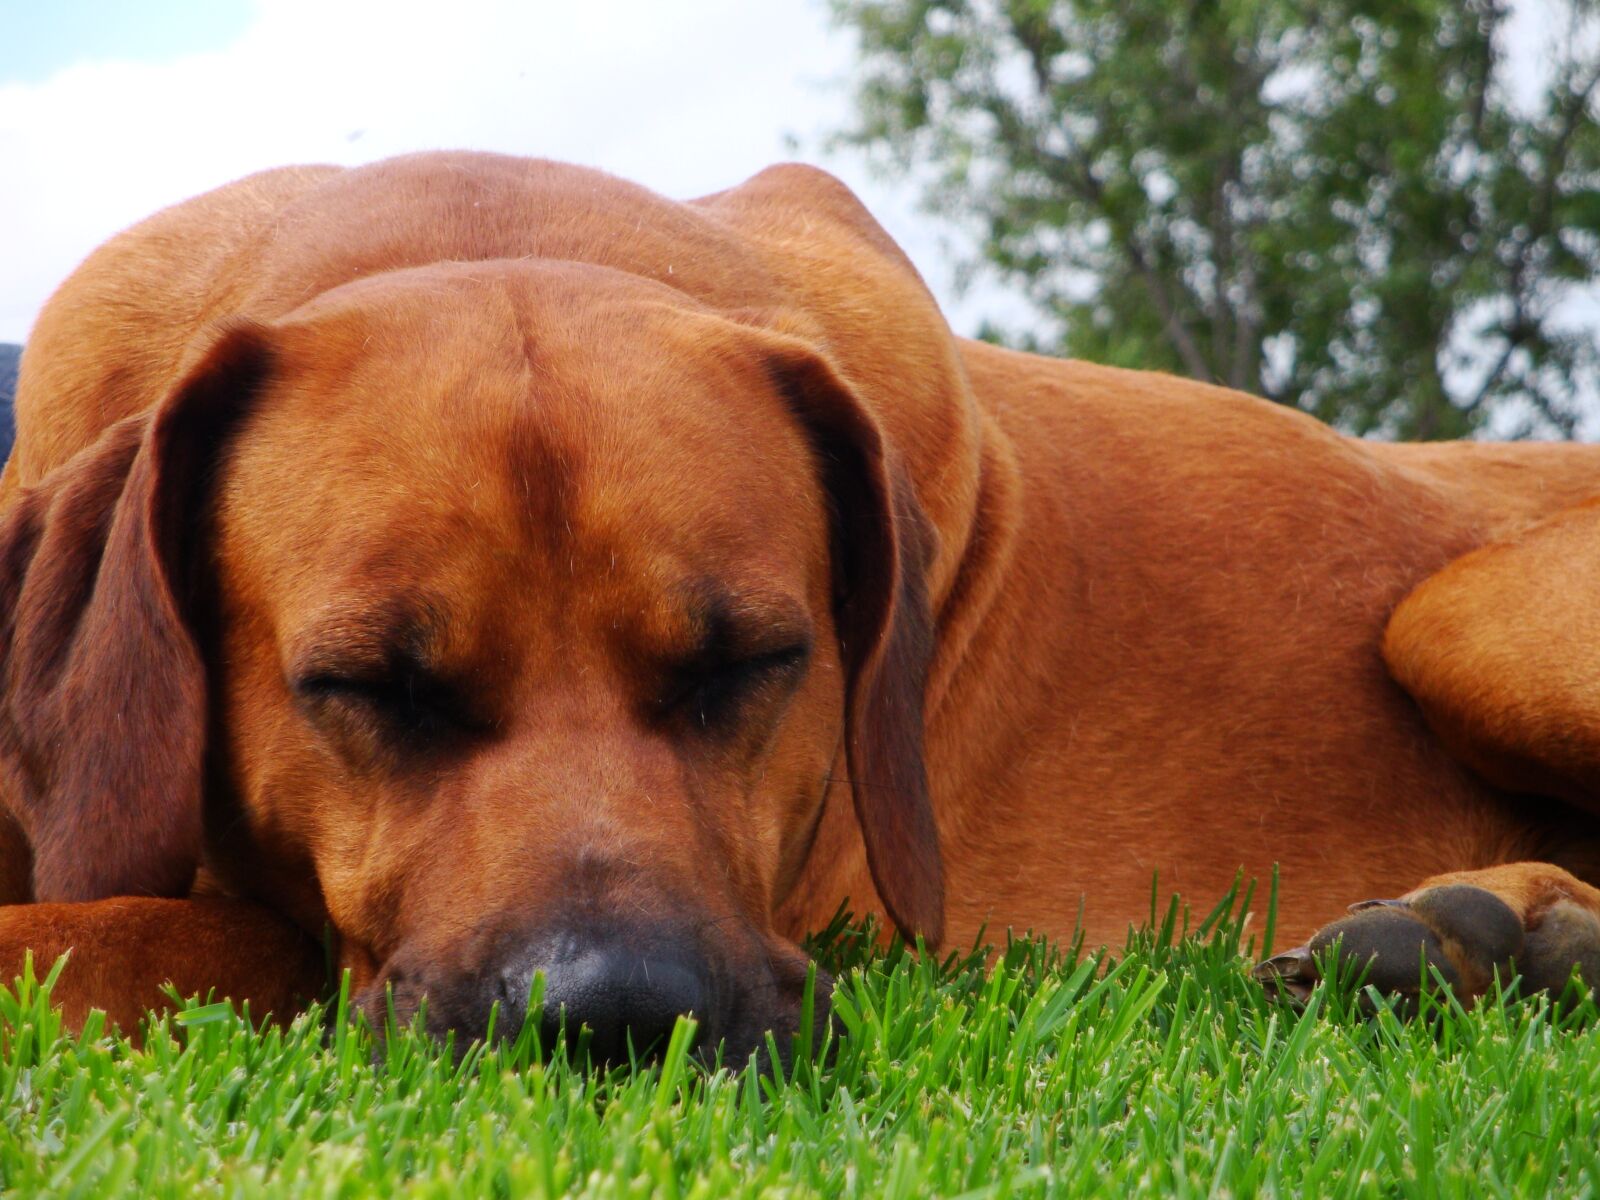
[10,359]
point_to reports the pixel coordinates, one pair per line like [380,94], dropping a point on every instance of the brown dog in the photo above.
[508,570]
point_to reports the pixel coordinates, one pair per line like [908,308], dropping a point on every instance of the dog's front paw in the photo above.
[1529,919]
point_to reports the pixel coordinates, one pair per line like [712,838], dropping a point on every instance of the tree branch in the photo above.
[1075,175]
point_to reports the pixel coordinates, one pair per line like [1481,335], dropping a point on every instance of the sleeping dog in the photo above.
[500,569]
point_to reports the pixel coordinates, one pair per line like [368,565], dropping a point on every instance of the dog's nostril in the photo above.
[622,997]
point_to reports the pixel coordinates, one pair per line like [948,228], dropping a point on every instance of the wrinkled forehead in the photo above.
[499,440]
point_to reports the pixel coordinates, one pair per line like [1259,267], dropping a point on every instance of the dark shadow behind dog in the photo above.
[10,359]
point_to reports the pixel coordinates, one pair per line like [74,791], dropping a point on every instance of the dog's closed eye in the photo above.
[741,649]
[402,700]
[708,692]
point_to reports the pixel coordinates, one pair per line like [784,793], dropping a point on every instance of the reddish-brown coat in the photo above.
[1119,622]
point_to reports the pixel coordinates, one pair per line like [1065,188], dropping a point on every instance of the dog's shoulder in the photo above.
[795,202]
[146,292]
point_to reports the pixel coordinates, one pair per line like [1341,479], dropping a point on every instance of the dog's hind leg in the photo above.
[1501,649]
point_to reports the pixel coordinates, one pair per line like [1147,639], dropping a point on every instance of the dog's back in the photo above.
[1201,581]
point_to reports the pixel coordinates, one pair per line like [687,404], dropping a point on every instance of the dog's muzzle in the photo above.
[614,987]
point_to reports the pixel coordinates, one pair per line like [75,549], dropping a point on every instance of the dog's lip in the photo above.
[355,958]
[766,995]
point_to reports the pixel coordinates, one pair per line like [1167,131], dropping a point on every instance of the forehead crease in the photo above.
[541,450]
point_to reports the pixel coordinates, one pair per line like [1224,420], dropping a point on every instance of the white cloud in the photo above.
[685,98]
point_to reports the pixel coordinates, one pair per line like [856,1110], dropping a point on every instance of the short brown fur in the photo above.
[1067,625]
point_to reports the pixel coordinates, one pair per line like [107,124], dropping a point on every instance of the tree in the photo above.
[1345,206]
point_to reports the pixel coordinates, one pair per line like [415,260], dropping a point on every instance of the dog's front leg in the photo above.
[1530,919]
[126,950]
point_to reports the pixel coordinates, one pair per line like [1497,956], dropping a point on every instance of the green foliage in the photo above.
[1164,1072]
[1343,206]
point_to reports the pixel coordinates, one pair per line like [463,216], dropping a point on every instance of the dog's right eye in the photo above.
[407,705]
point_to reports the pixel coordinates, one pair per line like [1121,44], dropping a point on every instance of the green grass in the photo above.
[1161,1071]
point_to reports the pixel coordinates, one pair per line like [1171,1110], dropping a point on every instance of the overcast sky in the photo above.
[110,109]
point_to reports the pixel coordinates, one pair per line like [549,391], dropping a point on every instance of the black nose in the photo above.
[624,994]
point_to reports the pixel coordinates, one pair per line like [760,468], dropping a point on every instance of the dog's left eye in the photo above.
[708,693]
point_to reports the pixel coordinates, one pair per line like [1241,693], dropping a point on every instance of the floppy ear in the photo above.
[882,546]
[102,687]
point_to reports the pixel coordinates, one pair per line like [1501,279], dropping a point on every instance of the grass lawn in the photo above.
[1163,1071]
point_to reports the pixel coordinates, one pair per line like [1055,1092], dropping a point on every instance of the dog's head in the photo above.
[508,618]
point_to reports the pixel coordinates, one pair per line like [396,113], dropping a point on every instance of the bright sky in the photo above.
[110,109]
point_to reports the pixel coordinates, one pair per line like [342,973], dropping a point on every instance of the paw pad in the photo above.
[1467,934]
[1566,937]
[1393,942]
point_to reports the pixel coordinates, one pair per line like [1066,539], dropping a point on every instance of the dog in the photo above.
[488,568]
